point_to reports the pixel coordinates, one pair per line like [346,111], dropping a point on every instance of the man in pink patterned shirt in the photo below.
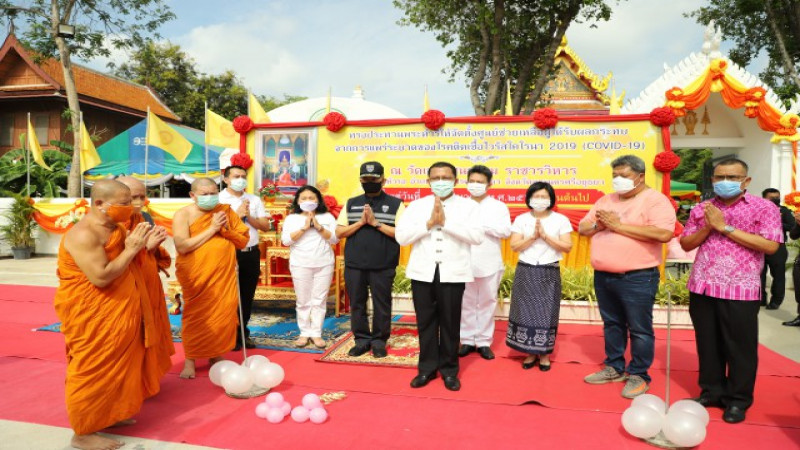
[733,230]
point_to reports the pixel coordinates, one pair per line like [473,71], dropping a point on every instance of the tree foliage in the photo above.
[494,42]
[44,183]
[771,26]
[174,76]
[691,168]
[99,27]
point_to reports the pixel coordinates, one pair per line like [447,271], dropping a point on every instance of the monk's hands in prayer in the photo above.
[155,239]
[219,221]
[714,217]
[138,237]
[243,209]
[608,219]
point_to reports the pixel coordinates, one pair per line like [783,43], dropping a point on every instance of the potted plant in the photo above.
[269,192]
[19,226]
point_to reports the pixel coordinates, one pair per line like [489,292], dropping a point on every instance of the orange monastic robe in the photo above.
[104,333]
[157,360]
[210,287]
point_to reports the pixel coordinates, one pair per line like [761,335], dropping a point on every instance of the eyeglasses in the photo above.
[728,177]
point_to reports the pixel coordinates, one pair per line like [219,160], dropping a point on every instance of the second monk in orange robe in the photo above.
[207,235]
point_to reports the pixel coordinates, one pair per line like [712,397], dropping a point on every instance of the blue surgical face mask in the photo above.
[238,184]
[442,188]
[728,188]
[207,202]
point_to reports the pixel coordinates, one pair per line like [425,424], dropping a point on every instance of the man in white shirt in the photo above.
[480,295]
[441,228]
[252,212]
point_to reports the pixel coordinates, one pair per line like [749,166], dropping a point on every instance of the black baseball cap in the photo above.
[371,169]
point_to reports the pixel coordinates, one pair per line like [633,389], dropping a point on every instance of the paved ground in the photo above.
[41,271]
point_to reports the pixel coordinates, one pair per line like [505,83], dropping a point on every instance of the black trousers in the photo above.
[379,283]
[438,309]
[726,332]
[796,279]
[776,263]
[249,272]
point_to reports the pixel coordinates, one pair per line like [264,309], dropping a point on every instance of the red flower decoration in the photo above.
[545,118]
[433,119]
[792,199]
[242,124]
[242,160]
[333,205]
[666,161]
[334,121]
[662,117]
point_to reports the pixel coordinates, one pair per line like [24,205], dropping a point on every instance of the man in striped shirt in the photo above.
[733,231]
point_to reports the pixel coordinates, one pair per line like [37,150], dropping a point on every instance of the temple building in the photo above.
[575,89]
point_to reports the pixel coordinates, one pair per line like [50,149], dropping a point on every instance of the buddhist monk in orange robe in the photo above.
[207,235]
[100,304]
[157,361]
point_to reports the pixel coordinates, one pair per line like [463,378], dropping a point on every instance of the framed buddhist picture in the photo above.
[286,158]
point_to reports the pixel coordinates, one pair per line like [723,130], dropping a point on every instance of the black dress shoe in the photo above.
[379,352]
[452,383]
[544,367]
[773,306]
[422,380]
[465,350]
[358,350]
[249,343]
[485,352]
[707,402]
[733,414]
[529,365]
[793,323]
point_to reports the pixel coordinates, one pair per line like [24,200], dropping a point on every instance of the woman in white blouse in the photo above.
[541,237]
[310,230]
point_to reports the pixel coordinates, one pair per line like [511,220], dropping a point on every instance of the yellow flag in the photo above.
[35,148]
[166,138]
[509,107]
[89,156]
[256,112]
[219,131]
[426,104]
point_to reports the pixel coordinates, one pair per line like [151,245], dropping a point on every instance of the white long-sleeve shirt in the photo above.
[487,257]
[310,249]
[449,245]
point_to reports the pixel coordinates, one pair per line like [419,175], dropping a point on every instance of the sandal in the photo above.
[319,342]
[302,341]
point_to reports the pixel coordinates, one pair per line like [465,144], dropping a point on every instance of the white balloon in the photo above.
[691,407]
[651,401]
[642,422]
[237,380]
[254,361]
[218,370]
[684,429]
[268,375]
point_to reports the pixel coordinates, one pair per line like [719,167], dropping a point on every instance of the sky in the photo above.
[305,47]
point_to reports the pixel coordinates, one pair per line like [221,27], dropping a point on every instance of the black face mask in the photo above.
[371,187]
[777,201]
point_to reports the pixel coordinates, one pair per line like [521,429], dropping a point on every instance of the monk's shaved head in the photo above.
[131,182]
[109,190]
[200,183]
[138,192]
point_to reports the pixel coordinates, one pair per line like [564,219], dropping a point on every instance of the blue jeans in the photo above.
[626,305]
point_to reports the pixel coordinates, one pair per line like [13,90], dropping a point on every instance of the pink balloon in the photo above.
[311,401]
[300,414]
[274,415]
[261,410]
[274,400]
[286,408]
[318,415]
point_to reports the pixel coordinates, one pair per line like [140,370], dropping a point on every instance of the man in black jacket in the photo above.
[776,262]
[371,255]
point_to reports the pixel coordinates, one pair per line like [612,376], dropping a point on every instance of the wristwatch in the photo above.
[728,229]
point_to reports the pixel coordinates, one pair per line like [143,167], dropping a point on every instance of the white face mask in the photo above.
[308,206]
[238,184]
[623,185]
[539,204]
[476,189]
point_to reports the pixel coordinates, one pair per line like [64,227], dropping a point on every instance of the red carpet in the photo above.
[382,411]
